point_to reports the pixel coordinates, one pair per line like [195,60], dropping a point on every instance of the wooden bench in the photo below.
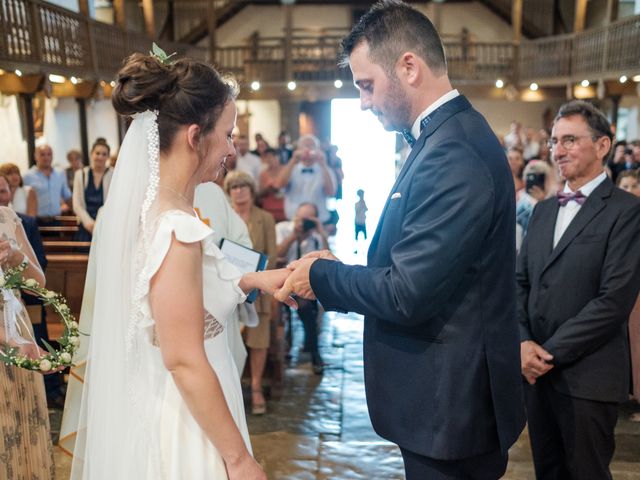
[63,232]
[62,246]
[67,220]
[66,274]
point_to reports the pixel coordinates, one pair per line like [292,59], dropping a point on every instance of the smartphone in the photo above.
[534,180]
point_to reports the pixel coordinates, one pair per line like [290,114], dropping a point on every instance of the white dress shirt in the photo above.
[251,164]
[567,213]
[415,130]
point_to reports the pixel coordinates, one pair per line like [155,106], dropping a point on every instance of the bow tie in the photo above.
[566,197]
[408,136]
[307,170]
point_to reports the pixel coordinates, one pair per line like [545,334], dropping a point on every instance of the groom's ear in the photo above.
[193,136]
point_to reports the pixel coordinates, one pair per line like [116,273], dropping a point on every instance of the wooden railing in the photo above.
[50,39]
[597,53]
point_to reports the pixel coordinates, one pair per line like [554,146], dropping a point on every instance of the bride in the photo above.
[161,396]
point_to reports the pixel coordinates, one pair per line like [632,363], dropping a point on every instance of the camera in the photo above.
[534,180]
[308,225]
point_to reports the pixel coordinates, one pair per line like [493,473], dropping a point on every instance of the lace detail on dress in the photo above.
[212,328]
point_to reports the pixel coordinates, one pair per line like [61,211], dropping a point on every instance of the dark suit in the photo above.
[441,346]
[574,300]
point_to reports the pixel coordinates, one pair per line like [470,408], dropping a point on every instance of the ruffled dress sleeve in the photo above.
[221,292]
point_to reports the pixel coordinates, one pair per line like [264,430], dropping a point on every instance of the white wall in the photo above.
[13,147]
[633,118]
[61,128]
[500,113]
[269,21]
[264,119]
[102,121]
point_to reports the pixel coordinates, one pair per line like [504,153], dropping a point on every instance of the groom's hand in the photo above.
[298,282]
[324,254]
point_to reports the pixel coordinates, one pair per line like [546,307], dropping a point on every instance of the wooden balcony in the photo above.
[38,37]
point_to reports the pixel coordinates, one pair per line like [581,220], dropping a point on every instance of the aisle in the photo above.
[320,430]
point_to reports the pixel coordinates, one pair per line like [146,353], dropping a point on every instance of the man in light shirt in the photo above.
[246,161]
[50,185]
[578,277]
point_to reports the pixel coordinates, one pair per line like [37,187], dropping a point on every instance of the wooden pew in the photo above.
[62,246]
[62,232]
[66,273]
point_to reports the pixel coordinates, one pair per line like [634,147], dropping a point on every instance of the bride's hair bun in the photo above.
[142,84]
[184,92]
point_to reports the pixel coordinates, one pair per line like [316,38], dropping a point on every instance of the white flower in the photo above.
[2,281]
[73,325]
[45,365]
[75,341]
[64,308]
[65,357]
[50,294]
[30,282]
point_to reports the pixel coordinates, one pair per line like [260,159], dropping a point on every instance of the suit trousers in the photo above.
[571,438]
[488,466]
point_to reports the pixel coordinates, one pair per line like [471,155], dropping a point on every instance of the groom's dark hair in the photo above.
[391,28]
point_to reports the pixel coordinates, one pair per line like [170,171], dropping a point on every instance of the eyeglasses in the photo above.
[568,141]
[237,185]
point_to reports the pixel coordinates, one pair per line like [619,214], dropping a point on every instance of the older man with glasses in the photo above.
[578,278]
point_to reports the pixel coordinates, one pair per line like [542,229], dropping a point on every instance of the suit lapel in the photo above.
[591,207]
[439,117]
[548,214]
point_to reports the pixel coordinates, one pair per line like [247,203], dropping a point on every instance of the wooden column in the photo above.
[612,11]
[119,13]
[516,21]
[149,20]
[212,20]
[84,7]
[29,126]
[84,141]
[437,15]
[581,16]
[288,34]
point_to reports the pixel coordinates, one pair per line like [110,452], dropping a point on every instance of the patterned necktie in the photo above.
[566,197]
[408,135]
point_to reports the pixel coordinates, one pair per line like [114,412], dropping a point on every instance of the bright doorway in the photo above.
[368,158]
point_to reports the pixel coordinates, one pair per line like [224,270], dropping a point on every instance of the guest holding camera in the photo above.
[539,183]
[307,179]
[302,235]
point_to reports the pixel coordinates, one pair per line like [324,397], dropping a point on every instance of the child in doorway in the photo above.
[361,215]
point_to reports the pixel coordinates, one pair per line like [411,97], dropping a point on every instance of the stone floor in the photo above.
[320,430]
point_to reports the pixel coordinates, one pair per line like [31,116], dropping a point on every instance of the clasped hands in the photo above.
[534,361]
[285,282]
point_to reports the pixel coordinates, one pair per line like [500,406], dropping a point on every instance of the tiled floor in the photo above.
[320,430]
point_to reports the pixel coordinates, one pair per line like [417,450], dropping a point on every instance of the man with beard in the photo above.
[441,342]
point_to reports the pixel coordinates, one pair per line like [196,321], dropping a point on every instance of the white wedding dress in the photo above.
[185,452]
[124,417]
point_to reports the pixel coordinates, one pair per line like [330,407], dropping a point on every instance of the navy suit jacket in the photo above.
[33,235]
[575,299]
[441,340]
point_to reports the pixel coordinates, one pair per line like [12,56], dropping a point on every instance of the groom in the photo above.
[441,344]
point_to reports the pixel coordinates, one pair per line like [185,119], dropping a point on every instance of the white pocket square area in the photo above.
[396,195]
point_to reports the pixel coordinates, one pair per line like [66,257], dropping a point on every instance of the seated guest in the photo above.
[241,190]
[50,185]
[25,442]
[302,235]
[23,199]
[91,186]
[307,179]
[75,163]
[516,164]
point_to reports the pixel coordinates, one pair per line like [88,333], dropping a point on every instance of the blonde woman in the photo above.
[23,198]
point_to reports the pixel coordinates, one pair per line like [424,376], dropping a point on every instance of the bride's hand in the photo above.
[268,281]
[246,469]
